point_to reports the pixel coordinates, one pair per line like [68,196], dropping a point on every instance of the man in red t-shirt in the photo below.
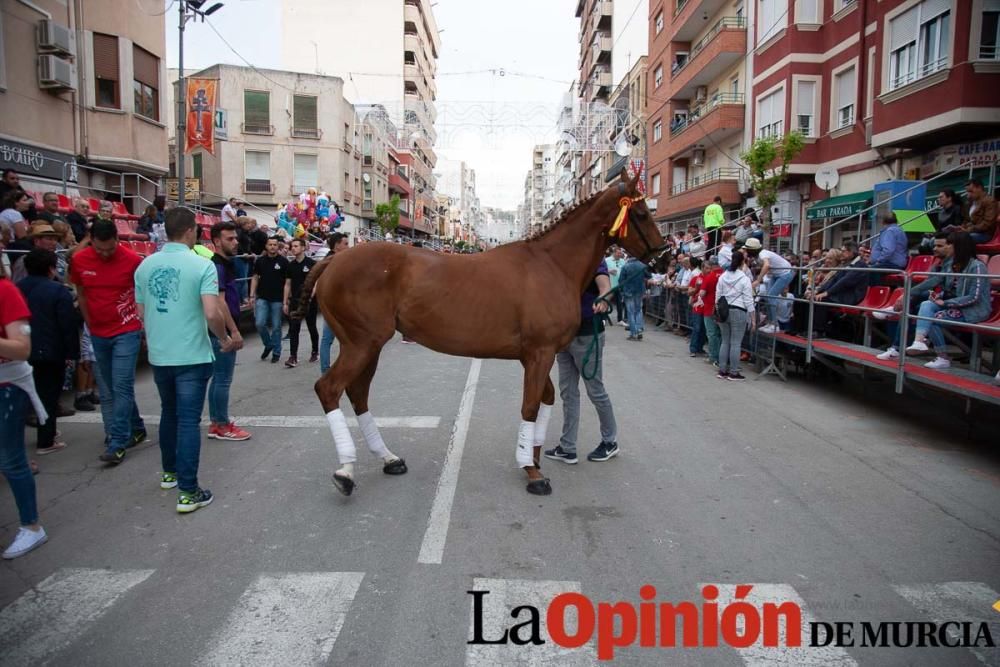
[706,294]
[104,275]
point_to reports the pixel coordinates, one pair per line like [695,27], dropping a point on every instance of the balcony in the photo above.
[258,186]
[601,47]
[400,184]
[710,57]
[602,11]
[692,194]
[600,83]
[307,133]
[689,17]
[716,119]
[255,128]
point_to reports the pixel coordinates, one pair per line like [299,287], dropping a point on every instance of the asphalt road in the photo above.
[855,507]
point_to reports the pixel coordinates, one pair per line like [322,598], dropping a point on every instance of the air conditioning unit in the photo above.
[56,74]
[698,159]
[55,38]
[701,94]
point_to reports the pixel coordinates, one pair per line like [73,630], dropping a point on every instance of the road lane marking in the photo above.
[759,655]
[505,595]
[275,421]
[432,547]
[58,611]
[286,619]
[957,601]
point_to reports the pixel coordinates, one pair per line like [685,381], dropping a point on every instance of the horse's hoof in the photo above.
[395,467]
[540,487]
[343,483]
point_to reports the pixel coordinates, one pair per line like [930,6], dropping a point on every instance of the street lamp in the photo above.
[186,10]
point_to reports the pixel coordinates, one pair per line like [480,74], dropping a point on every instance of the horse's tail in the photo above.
[307,289]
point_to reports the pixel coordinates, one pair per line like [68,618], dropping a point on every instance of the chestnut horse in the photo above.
[518,301]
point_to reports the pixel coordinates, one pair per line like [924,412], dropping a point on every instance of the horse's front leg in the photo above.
[534,418]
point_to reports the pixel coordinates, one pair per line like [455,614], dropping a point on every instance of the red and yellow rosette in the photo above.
[620,228]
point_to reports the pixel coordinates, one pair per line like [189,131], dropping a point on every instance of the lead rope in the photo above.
[593,349]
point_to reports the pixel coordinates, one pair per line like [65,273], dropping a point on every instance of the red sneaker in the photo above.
[213,430]
[231,431]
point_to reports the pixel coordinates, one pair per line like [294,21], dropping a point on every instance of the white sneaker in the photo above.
[891,353]
[623,323]
[25,541]
[917,346]
[996,380]
[768,328]
[938,363]
[884,313]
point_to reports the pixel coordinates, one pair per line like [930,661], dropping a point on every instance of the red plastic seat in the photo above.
[139,247]
[65,204]
[95,205]
[875,297]
[150,247]
[991,247]
[993,268]
[917,263]
[124,244]
[993,320]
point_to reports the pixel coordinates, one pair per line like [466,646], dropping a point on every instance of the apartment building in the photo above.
[629,104]
[697,86]
[81,98]
[543,184]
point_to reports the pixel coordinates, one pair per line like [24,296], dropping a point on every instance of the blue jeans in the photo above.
[14,455]
[633,311]
[115,363]
[697,342]
[268,317]
[324,348]
[981,237]
[714,336]
[774,288]
[182,398]
[222,378]
[931,331]
[242,267]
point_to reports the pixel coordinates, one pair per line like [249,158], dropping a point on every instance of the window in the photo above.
[366,150]
[367,203]
[658,76]
[258,171]
[842,4]
[771,19]
[304,117]
[844,96]
[654,184]
[918,42]
[145,83]
[196,167]
[807,11]
[257,112]
[771,114]
[305,168]
[106,91]
[806,108]
[659,23]
[989,35]
[657,131]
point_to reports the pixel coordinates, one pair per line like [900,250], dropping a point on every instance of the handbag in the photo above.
[721,309]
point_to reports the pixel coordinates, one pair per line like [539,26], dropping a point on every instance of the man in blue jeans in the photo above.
[632,284]
[270,288]
[338,242]
[104,275]
[177,293]
[222,427]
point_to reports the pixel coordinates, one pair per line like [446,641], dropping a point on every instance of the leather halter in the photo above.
[652,255]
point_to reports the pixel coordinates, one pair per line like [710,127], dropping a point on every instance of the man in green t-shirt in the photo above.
[615,263]
[177,294]
[714,219]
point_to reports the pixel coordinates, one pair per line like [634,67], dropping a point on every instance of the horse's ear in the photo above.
[624,175]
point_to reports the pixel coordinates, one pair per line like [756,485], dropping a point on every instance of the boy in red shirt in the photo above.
[706,295]
[697,342]
[104,275]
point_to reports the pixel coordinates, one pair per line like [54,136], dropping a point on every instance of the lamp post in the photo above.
[186,10]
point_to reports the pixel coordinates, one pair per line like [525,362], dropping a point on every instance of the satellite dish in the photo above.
[567,197]
[366,178]
[827,178]
[622,147]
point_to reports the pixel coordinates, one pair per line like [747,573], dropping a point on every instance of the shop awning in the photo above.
[842,206]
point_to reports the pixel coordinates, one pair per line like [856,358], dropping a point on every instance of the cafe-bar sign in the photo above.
[971,154]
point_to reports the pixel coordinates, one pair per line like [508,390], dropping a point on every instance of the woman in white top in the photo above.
[735,286]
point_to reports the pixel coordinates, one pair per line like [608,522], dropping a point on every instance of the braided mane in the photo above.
[534,236]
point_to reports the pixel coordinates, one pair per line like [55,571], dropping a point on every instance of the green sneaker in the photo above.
[189,501]
[137,437]
[168,480]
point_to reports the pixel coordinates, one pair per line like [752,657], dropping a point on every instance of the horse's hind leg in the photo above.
[351,363]
[357,391]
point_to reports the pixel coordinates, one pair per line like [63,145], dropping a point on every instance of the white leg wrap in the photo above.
[542,424]
[373,438]
[525,441]
[346,451]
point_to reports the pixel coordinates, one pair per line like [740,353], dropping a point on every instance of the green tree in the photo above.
[387,215]
[767,159]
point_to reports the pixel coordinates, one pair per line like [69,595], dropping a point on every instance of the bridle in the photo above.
[652,254]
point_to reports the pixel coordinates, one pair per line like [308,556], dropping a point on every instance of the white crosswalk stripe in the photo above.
[286,619]
[959,601]
[760,655]
[505,595]
[277,421]
[56,612]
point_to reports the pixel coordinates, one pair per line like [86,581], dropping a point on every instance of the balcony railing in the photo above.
[258,186]
[680,6]
[402,174]
[252,128]
[918,72]
[725,23]
[307,132]
[299,188]
[721,174]
[989,52]
[703,109]
[775,129]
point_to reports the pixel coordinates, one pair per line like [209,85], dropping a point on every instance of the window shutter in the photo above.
[306,171]
[106,57]
[145,67]
[258,165]
[255,108]
[304,112]
[845,88]
[991,5]
[807,91]
[903,29]
[931,8]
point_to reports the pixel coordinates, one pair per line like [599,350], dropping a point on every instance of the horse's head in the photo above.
[634,228]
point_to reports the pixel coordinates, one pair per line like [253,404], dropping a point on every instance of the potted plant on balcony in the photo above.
[767,160]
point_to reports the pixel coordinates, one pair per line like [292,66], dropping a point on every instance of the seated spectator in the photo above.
[55,337]
[951,217]
[50,209]
[13,223]
[41,236]
[982,212]
[146,222]
[695,242]
[844,288]
[889,248]
[962,299]
[79,218]
[826,271]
